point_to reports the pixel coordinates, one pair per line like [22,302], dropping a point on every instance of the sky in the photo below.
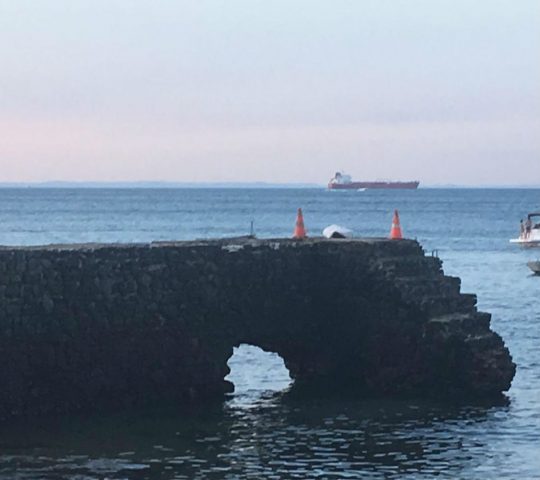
[442,91]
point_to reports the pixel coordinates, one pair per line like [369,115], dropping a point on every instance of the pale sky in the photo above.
[443,91]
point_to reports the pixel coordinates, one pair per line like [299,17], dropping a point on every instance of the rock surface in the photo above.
[86,327]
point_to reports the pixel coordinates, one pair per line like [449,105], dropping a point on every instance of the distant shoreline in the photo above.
[219,185]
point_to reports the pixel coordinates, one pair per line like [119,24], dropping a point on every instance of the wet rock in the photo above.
[48,304]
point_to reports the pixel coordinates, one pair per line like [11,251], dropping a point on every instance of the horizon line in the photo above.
[142,184]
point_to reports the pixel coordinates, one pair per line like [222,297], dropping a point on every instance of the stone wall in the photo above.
[85,327]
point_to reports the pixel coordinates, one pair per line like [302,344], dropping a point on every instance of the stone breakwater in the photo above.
[85,327]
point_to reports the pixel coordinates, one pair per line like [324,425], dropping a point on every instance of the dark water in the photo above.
[263,431]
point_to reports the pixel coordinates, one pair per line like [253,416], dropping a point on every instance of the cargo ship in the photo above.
[342,181]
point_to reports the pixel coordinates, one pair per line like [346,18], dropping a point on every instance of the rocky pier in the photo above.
[99,326]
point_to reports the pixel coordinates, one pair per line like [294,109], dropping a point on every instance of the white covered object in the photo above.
[337,231]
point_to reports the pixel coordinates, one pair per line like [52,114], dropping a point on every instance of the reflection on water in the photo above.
[260,433]
[270,439]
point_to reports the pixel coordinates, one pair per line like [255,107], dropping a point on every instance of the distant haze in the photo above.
[443,91]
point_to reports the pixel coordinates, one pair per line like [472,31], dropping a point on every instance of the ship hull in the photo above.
[374,185]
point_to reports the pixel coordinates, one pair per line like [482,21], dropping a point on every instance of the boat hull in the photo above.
[532,240]
[374,185]
[535,267]
[525,243]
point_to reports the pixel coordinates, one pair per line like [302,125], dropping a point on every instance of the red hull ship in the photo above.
[342,181]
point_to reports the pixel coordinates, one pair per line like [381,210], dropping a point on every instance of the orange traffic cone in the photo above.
[299,229]
[395,231]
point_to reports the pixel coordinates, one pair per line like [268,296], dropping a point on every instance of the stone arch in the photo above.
[102,326]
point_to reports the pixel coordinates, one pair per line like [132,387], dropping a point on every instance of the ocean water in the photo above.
[263,430]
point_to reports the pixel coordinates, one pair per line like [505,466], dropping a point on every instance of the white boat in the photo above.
[534,266]
[530,232]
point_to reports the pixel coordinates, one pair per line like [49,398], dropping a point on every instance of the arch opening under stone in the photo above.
[257,373]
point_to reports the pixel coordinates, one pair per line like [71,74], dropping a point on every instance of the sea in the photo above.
[262,430]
